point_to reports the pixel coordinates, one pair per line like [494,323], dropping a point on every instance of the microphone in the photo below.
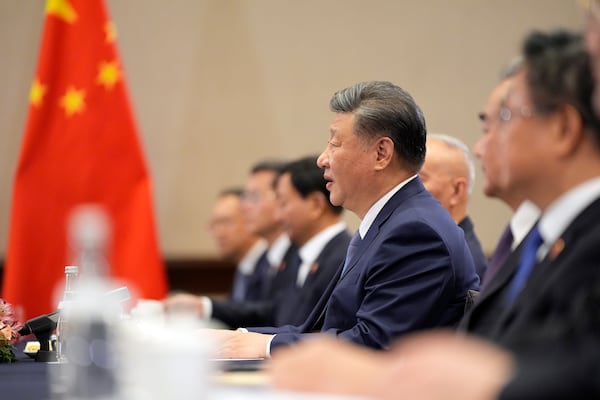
[40,325]
[43,325]
[47,322]
[42,328]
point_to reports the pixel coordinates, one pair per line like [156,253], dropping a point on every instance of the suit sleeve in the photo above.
[235,315]
[405,282]
[409,285]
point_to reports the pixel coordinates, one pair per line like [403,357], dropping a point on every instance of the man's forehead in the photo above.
[500,94]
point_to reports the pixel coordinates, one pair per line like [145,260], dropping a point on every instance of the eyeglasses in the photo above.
[505,114]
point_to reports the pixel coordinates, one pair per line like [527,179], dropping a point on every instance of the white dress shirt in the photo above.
[559,215]
[522,221]
[370,216]
[311,249]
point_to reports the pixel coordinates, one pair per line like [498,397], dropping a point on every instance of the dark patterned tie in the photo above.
[501,253]
[352,247]
[526,263]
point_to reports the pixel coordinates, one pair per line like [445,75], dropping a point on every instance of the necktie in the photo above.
[526,263]
[501,253]
[240,287]
[352,247]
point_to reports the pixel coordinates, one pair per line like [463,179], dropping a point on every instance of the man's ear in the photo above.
[570,132]
[460,190]
[384,147]
[318,202]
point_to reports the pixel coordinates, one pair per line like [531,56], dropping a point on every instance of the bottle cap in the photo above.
[72,269]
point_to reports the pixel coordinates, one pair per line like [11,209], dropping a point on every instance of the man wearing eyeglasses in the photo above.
[235,242]
[546,332]
[260,278]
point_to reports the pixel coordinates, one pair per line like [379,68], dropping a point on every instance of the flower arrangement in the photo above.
[9,332]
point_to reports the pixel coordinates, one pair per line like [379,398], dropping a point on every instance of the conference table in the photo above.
[30,380]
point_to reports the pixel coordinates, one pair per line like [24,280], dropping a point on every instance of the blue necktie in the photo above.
[352,247]
[240,287]
[501,253]
[526,263]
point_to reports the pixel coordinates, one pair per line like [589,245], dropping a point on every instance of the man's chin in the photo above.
[490,191]
[335,200]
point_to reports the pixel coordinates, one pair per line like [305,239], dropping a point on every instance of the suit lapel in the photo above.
[338,240]
[411,189]
[492,297]
[545,273]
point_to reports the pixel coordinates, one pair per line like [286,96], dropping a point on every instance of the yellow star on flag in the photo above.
[61,9]
[36,93]
[73,101]
[110,32]
[108,74]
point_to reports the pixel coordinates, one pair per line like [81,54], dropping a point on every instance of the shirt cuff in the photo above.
[207,307]
[268,349]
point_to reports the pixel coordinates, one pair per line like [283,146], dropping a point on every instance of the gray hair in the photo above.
[458,144]
[384,109]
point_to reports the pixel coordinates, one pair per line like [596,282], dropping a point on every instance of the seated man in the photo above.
[543,334]
[237,244]
[315,227]
[449,175]
[408,267]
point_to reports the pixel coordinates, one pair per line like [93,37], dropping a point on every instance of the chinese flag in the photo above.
[80,146]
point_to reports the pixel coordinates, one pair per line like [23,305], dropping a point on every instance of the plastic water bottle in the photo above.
[90,372]
[71,273]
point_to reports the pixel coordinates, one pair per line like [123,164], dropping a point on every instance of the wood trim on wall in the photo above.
[195,275]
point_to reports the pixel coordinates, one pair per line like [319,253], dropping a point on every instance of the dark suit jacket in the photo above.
[291,304]
[412,271]
[546,313]
[568,368]
[255,283]
[479,258]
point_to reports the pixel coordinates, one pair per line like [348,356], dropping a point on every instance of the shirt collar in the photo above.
[370,216]
[313,248]
[248,263]
[277,250]
[559,215]
[522,221]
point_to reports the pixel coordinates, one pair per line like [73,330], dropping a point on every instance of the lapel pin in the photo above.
[557,248]
[314,268]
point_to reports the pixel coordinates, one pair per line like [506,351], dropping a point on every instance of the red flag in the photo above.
[80,146]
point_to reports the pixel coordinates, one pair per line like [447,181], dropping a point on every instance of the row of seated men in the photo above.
[288,240]
[408,267]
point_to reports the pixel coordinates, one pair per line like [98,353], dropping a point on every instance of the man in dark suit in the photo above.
[408,267]
[559,173]
[449,175]
[256,278]
[545,324]
[262,216]
[315,227]
[237,244]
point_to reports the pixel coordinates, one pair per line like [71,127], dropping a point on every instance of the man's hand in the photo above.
[237,344]
[327,365]
[429,366]
[184,302]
